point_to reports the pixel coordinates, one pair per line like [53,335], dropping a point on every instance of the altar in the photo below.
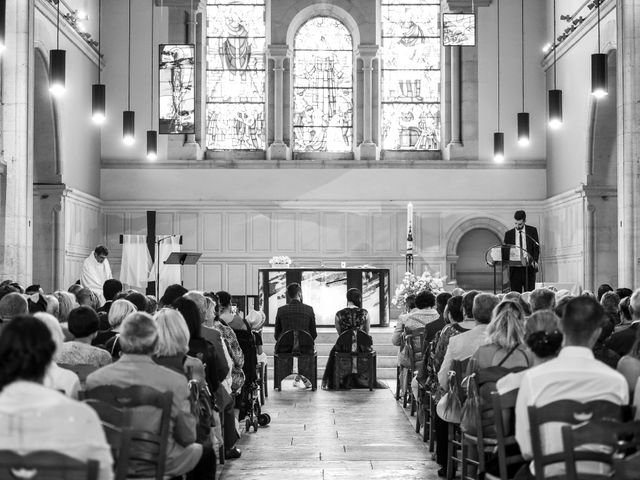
[325,289]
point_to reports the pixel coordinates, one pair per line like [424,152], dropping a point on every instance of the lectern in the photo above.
[503,256]
[179,258]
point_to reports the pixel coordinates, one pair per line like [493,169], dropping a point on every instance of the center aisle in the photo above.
[355,434]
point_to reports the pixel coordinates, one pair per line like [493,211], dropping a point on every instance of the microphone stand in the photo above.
[158,242]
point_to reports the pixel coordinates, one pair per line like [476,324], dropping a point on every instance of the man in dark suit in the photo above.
[295,316]
[523,278]
[622,341]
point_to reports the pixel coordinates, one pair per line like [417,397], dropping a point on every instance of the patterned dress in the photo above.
[351,317]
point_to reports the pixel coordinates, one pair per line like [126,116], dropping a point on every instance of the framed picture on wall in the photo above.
[177,75]
[459,29]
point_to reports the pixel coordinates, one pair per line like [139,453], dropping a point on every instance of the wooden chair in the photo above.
[425,412]
[147,447]
[454,437]
[301,342]
[506,444]
[351,359]
[46,465]
[567,412]
[596,442]
[412,343]
[81,369]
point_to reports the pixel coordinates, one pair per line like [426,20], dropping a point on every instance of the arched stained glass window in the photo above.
[235,75]
[411,74]
[323,87]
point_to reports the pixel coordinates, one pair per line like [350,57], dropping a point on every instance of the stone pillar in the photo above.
[628,65]
[278,150]
[454,113]
[367,150]
[17,145]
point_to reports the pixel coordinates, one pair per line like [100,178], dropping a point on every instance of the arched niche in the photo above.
[323,10]
[458,231]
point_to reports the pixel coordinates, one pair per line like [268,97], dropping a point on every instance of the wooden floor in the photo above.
[325,435]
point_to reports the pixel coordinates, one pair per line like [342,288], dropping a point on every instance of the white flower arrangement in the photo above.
[412,285]
[280,260]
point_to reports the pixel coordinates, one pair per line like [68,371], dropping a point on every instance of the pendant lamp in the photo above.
[555,95]
[599,86]
[98,90]
[498,137]
[57,61]
[523,117]
[129,116]
[152,135]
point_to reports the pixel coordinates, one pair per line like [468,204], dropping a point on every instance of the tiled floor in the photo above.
[324,435]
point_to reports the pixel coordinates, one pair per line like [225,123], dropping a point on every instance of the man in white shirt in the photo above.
[574,375]
[464,345]
[96,271]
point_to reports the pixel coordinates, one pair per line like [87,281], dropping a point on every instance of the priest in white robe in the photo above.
[96,270]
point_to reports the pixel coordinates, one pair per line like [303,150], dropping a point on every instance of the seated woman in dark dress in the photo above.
[349,318]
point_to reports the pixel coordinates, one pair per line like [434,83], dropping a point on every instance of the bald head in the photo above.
[634,305]
[13,305]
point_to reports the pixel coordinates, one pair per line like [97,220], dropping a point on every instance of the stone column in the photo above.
[367,150]
[628,66]
[454,113]
[17,144]
[278,150]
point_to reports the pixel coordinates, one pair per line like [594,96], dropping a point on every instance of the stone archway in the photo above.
[458,231]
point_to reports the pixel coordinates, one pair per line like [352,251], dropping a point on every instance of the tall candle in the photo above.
[409,217]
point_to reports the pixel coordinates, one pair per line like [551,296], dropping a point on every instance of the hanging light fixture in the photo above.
[98,90]
[3,8]
[152,135]
[57,61]
[129,116]
[498,137]
[599,87]
[523,117]
[555,95]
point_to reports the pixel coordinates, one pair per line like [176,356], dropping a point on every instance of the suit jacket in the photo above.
[295,315]
[532,247]
[622,341]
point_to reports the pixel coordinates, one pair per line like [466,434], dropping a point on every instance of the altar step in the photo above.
[386,352]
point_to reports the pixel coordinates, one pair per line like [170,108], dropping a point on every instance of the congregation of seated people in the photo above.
[540,347]
[55,347]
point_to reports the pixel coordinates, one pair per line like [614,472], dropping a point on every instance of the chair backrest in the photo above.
[45,465]
[460,368]
[596,441]
[81,369]
[505,431]
[297,342]
[566,412]
[353,340]
[413,342]
[148,447]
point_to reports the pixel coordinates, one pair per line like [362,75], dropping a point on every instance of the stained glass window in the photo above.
[235,75]
[411,74]
[323,87]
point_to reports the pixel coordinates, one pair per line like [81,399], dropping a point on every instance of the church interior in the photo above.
[327,132]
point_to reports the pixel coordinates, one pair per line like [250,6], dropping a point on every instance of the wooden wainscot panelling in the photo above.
[260,233]
[382,232]
[164,224]
[212,232]
[252,279]
[115,226]
[335,232]
[284,233]
[137,223]
[358,235]
[211,276]
[309,232]
[236,236]
[190,277]
[187,226]
[428,234]
[236,279]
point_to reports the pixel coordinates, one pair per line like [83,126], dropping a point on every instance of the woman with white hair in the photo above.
[120,309]
[173,344]
[56,377]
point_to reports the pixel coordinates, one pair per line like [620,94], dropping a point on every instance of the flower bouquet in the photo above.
[412,285]
[280,261]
